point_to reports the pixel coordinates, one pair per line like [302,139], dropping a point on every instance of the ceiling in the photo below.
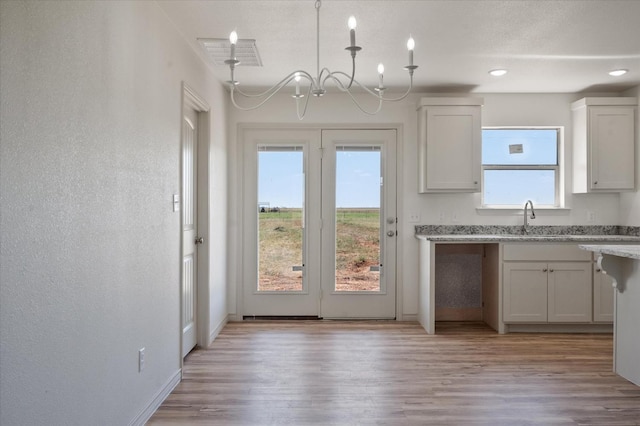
[546,46]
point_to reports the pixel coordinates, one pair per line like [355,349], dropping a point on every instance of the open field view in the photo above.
[281,242]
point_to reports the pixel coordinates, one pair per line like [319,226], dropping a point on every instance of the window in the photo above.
[520,164]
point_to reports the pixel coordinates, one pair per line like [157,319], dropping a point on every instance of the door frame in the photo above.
[240,209]
[191,98]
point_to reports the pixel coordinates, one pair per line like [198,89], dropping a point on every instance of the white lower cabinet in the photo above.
[525,292]
[569,292]
[540,290]
[547,292]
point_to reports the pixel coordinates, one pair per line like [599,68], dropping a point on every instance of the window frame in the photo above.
[557,168]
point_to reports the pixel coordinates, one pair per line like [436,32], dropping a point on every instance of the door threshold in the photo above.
[280,318]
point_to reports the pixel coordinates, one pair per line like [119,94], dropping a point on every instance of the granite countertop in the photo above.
[630,251]
[527,237]
[493,233]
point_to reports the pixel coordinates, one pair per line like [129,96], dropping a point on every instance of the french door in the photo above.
[319,223]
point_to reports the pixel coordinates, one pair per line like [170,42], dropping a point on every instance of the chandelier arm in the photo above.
[322,80]
[341,86]
[403,96]
[278,87]
[306,103]
[275,88]
[357,104]
[353,70]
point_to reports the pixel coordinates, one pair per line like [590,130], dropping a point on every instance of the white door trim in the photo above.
[192,99]
[239,250]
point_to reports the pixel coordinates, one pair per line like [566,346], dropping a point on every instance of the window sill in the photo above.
[518,211]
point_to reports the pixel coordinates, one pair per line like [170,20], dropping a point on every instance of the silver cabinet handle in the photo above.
[199,240]
[391,233]
[544,270]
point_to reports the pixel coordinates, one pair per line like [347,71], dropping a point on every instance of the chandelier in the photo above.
[316,86]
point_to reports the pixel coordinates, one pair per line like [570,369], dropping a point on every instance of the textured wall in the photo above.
[89,250]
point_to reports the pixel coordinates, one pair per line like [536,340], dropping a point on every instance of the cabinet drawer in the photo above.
[544,252]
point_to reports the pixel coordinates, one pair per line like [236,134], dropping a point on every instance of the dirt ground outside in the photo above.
[358,249]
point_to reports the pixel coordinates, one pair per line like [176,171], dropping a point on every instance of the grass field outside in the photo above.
[280,249]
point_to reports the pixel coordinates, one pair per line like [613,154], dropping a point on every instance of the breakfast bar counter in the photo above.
[622,263]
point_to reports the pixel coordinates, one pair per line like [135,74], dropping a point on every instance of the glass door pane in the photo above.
[358,226]
[280,207]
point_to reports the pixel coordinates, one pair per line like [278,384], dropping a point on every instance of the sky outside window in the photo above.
[282,182]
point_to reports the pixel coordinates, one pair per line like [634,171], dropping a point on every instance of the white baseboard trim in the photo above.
[410,318]
[157,400]
[234,318]
[559,328]
[218,329]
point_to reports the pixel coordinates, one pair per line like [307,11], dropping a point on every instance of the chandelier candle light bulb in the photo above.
[352,30]
[233,39]
[343,81]
[411,44]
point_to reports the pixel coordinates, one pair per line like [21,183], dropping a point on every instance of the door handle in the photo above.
[199,240]
[391,233]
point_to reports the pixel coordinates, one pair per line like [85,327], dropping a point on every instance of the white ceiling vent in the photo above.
[219,50]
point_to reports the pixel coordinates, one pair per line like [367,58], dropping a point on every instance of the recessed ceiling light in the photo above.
[498,73]
[617,73]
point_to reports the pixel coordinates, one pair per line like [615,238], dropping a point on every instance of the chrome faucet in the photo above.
[525,227]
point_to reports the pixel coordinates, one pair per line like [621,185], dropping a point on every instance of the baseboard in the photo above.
[559,328]
[458,314]
[409,318]
[157,400]
[234,318]
[218,329]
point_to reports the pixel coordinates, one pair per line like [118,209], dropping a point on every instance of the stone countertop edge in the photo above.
[500,233]
[630,251]
[525,238]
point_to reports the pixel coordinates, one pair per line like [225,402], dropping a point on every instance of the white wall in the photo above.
[630,201]
[89,256]
[499,109]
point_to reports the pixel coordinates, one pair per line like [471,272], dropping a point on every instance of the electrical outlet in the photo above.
[591,216]
[140,360]
[441,217]
[454,217]
[414,217]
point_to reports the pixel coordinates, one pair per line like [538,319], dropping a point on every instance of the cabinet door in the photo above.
[611,147]
[570,292]
[603,293]
[524,292]
[453,138]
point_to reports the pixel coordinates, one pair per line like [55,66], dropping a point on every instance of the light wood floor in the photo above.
[389,373]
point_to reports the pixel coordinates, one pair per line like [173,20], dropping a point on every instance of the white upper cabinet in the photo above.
[449,144]
[604,144]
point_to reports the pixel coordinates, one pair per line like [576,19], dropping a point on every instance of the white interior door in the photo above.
[359,224]
[189,229]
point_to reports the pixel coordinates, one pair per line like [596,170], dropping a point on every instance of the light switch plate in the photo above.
[176,202]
